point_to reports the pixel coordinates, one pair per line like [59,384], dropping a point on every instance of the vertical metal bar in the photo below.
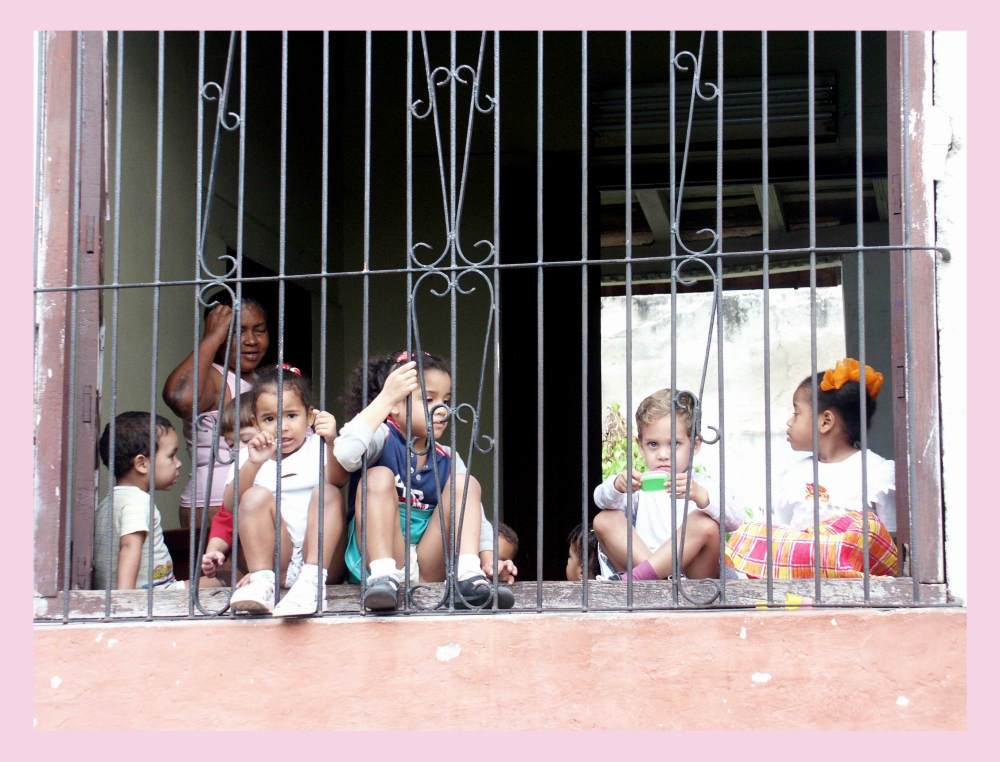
[240,201]
[157,245]
[115,269]
[675,209]
[324,218]
[540,336]
[496,298]
[409,288]
[193,567]
[718,316]
[629,506]
[584,325]
[451,562]
[674,235]
[282,205]
[365,288]
[908,306]
[74,307]
[862,357]
[766,220]
[811,65]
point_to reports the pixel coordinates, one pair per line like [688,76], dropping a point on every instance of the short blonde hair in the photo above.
[657,405]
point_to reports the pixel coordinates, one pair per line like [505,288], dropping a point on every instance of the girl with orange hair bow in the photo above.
[837,494]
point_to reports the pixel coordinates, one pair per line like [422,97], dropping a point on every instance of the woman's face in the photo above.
[254,339]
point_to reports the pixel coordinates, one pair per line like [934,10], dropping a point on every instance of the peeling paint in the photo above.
[56,681]
[100,635]
[902,701]
[112,642]
[743,633]
[760,677]
[448,651]
[833,622]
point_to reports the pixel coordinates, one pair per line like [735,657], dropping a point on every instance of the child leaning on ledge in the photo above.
[122,527]
[652,547]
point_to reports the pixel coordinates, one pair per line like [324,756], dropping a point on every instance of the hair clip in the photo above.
[849,369]
[404,356]
[289,368]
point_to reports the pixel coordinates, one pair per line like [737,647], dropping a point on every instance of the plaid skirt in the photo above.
[841,549]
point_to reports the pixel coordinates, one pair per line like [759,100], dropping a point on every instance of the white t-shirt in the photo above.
[839,491]
[299,476]
[125,513]
[652,512]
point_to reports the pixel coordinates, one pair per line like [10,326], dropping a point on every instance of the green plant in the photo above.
[614,443]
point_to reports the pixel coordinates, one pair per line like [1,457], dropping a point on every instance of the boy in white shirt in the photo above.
[124,525]
[652,546]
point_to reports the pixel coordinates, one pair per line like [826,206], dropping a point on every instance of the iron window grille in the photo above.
[445,147]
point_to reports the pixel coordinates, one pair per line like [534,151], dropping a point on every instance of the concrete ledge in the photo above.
[723,670]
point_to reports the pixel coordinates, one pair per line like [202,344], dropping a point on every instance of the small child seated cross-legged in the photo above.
[220,535]
[840,496]
[379,431]
[652,543]
[299,479]
[122,528]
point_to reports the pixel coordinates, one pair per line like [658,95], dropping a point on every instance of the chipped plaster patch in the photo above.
[99,636]
[743,633]
[56,681]
[760,677]
[112,642]
[448,651]
[833,622]
[902,701]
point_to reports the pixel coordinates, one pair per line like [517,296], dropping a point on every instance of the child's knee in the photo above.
[607,523]
[256,500]
[469,483]
[380,480]
[706,527]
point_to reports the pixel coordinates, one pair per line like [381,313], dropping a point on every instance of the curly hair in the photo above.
[657,405]
[371,377]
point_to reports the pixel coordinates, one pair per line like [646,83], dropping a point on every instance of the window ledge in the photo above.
[91,605]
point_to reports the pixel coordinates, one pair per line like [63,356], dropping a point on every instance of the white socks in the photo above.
[384,567]
[264,574]
[468,566]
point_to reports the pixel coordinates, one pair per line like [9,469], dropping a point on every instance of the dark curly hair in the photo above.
[373,375]
[846,403]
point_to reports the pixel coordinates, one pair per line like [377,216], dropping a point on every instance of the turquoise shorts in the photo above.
[419,519]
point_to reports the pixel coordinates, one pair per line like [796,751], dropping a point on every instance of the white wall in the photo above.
[945,161]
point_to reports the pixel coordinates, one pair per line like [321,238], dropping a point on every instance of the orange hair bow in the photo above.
[849,369]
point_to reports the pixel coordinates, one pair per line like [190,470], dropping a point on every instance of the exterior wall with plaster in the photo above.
[807,669]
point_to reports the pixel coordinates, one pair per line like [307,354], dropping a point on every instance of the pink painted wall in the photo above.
[807,669]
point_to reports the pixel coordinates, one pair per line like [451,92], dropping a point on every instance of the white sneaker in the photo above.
[300,600]
[255,597]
